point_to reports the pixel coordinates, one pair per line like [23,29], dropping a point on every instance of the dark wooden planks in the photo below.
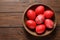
[11,27]
[21,34]
[14,0]
[9,0]
[21,5]
[11,19]
[11,34]
[16,19]
[12,7]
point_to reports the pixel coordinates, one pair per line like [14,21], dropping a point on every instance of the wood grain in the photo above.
[11,26]
[11,34]
[21,34]
[11,19]
[15,19]
[20,6]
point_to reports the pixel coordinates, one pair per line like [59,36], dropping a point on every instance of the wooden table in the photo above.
[11,27]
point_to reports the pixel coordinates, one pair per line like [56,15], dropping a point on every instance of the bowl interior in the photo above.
[33,7]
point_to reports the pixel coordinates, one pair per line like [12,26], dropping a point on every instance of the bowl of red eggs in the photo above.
[39,20]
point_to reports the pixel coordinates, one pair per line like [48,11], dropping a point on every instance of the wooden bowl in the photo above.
[47,32]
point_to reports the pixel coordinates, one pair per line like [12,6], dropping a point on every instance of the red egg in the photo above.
[31,14]
[31,24]
[39,10]
[49,23]
[48,14]
[40,29]
[40,19]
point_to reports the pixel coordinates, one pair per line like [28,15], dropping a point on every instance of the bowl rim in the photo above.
[27,28]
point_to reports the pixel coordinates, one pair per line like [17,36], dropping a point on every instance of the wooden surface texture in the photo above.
[11,12]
